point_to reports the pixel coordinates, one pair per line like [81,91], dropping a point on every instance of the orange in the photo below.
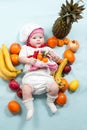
[15,48]
[66,85]
[60,43]
[69,55]
[45,59]
[61,99]
[66,41]
[14,107]
[39,56]
[14,59]
[52,42]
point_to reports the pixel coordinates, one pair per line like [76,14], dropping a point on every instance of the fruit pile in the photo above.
[64,67]
[8,72]
[70,12]
[14,51]
[13,105]
[15,86]
[7,69]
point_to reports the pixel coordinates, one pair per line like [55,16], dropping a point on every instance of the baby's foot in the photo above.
[52,107]
[29,114]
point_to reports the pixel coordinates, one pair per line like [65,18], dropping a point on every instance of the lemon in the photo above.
[74,84]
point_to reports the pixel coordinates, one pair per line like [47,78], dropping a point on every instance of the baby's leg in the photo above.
[51,96]
[28,100]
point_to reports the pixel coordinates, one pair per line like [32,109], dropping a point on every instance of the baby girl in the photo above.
[37,78]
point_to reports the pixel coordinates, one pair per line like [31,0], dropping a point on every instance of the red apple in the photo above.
[67,69]
[19,93]
[13,85]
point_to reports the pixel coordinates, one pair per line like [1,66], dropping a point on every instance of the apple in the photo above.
[13,85]
[73,45]
[67,69]
[19,93]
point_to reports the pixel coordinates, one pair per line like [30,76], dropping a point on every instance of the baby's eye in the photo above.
[40,37]
[34,37]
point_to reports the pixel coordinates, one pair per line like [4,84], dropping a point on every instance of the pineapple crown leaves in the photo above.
[71,12]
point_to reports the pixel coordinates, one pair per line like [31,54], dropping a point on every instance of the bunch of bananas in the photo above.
[7,70]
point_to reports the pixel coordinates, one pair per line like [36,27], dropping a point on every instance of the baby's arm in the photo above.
[26,60]
[55,57]
[23,56]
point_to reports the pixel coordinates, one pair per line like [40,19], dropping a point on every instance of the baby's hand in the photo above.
[53,56]
[41,64]
[32,61]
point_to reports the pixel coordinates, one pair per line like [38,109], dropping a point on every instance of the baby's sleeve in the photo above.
[23,51]
[52,50]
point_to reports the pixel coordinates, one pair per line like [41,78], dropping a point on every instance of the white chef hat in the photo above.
[27,30]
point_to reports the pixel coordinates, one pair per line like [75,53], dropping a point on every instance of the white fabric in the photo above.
[52,107]
[39,80]
[26,31]
[27,50]
[50,103]
[30,108]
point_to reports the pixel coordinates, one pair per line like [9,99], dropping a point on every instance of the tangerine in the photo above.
[66,41]
[14,59]
[69,55]
[15,48]
[60,43]
[61,99]
[45,59]
[14,107]
[39,56]
[52,42]
[65,83]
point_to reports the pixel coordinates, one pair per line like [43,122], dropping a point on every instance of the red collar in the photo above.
[43,45]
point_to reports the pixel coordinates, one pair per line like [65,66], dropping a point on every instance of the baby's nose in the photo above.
[38,39]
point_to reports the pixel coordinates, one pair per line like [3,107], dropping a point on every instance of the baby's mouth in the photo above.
[38,43]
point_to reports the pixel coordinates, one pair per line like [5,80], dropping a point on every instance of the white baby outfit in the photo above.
[40,79]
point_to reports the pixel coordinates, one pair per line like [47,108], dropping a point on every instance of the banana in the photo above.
[59,71]
[7,58]
[57,75]
[4,76]
[3,68]
[19,71]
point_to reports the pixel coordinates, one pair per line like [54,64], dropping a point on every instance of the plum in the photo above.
[67,69]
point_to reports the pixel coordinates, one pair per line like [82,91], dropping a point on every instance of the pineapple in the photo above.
[71,12]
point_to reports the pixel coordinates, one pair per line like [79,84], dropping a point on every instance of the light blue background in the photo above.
[72,116]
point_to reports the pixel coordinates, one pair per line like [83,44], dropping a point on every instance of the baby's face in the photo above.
[37,39]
